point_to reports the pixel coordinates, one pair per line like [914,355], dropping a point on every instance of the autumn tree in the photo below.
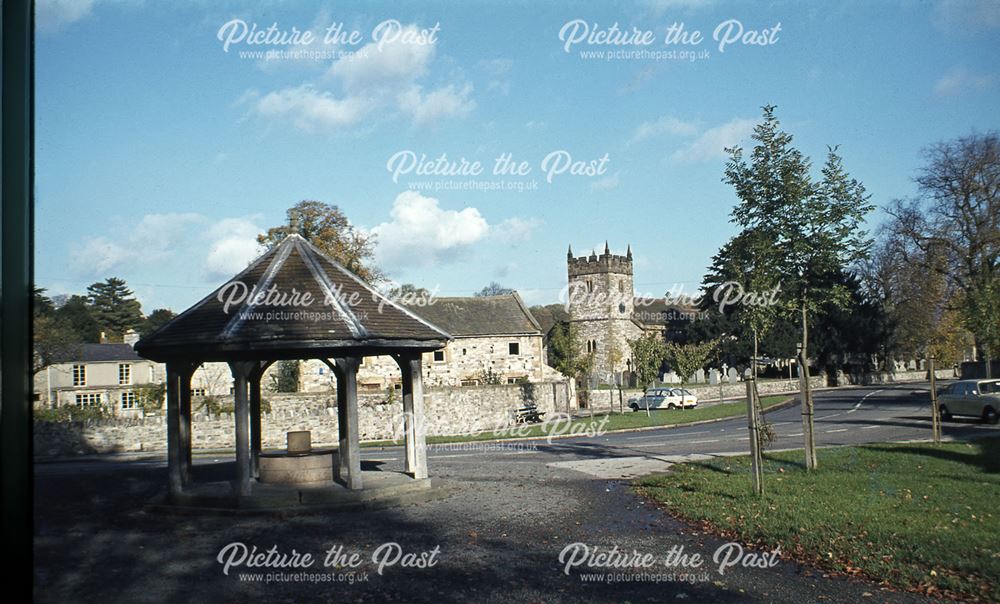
[957,213]
[326,227]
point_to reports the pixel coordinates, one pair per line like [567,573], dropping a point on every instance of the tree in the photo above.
[53,339]
[648,353]
[77,315]
[812,228]
[957,211]
[567,352]
[114,307]
[285,377]
[326,227]
[156,319]
[686,359]
[494,289]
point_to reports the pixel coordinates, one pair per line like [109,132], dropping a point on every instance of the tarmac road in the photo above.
[514,511]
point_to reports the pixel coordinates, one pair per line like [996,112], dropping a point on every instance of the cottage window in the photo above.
[197,392]
[79,375]
[90,399]
[439,356]
[124,374]
[514,348]
[128,400]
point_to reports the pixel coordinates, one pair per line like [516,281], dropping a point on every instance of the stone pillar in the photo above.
[347,421]
[244,460]
[414,430]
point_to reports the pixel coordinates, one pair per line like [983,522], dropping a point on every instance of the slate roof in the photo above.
[97,353]
[656,311]
[481,316]
[262,321]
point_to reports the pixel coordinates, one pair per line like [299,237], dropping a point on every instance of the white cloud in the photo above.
[99,256]
[153,238]
[666,125]
[311,109]
[233,244]
[52,15]
[608,183]
[421,232]
[386,66]
[443,102]
[968,14]
[711,143]
[516,229]
[960,80]
[382,78]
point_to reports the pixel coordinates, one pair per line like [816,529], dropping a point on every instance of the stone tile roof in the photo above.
[657,311]
[268,313]
[481,316]
[97,353]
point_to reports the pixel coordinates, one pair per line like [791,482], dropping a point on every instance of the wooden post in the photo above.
[255,420]
[807,421]
[350,449]
[175,476]
[184,419]
[241,414]
[935,407]
[755,456]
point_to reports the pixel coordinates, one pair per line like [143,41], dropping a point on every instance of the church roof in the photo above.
[291,300]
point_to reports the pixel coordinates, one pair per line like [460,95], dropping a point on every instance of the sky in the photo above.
[169,134]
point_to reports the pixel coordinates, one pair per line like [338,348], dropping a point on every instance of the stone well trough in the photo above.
[299,464]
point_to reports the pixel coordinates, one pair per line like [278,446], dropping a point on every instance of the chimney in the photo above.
[104,338]
[130,337]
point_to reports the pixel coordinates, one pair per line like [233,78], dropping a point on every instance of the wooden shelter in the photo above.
[293,302]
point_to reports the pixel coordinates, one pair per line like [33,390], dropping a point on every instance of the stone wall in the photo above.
[601,399]
[447,410]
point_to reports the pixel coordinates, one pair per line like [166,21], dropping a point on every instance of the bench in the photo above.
[528,413]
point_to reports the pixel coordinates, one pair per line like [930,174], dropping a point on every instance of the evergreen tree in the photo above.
[114,307]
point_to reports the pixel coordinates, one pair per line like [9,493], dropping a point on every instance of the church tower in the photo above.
[601,301]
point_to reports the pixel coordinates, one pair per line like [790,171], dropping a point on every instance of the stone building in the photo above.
[606,314]
[496,340]
[110,375]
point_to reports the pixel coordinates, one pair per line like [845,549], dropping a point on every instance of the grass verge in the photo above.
[914,516]
[610,422]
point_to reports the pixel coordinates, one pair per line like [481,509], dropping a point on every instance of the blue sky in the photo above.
[160,154]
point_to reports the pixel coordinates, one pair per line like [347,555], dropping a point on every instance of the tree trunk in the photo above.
[808,430]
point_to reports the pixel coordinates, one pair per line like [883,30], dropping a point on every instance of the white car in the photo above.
[664,398]
[975,398]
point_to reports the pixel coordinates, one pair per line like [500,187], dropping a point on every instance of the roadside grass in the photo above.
[913,516]
[608,422]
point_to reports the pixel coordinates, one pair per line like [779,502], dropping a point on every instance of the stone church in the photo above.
[606,313]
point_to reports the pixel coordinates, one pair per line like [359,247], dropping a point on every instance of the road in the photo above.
[513,510]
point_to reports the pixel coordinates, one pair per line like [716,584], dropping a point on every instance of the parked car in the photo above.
[975,398]
[664,398]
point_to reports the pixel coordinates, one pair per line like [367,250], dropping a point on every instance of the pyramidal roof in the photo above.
[290,300]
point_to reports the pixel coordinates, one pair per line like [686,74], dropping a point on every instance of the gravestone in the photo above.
[713,376]
[670,378]
[912,365]
[923,364]
[734,376]
[699,376]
